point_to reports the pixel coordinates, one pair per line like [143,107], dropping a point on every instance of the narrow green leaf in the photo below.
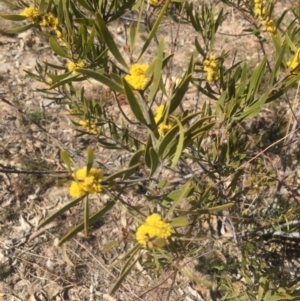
[256,78]
[109,246]
[125,270]
[179,147]
[9,3]
[133,103]
[160,243]
[60,212]
[132,35]
[66,16]
[66,81]
[221,104]
[109,40]
[157,71]
[279,296]
[49,5]
[42,7]
[168,140]
[19,29]
[60,13]
[262,284]
[86,5]
[13,17]
[59,67]
[102,79]
[285,87]
[147,151]
[180,221]
[66,158]
[163,184]
[90,159]
[93,219]
[241,88]
[199,48]
[135,159]
[178,196]
[252,110]
[207,91]
[137,5]
[116,77]
[154,28]
[89,43]
[179,93]
[86,216]
[290,43]
[57,48]
[154,161]
[279,61]
[215,209]
[197,125]
[122,173]
[191,116]
[219,20]
[85,21]
[129,171]
[57,78]
[195,134]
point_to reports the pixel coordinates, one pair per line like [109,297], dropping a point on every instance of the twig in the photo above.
[16,171]
[42,230]
[156,286]
[172,285]
[280,232]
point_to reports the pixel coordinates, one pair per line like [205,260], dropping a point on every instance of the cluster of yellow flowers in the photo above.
[88,126]
[262,14]
[153,227]
[163,128]
[295,63]
[137,78]
[32,14]
[86,183]
[44,20]
[210,66]
[72,66]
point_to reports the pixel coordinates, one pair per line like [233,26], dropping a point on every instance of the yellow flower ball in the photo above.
[44,22]
[30,12]
[88,126]
[163,128]
[86,183]
[294,64]
[159,113]
[58,34]
[137,78]
[154,227]
[53,22]
[142,235]
[76,190]
[72,66]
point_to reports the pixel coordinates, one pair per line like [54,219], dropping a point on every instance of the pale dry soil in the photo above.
[32,267]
